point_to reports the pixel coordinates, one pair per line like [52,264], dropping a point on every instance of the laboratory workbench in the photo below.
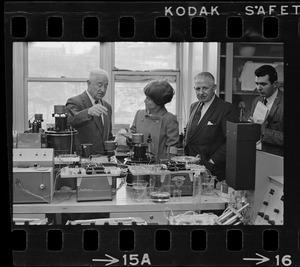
[122,205]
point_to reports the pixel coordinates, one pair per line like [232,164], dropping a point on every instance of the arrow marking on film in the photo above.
[260,260]
[110,261]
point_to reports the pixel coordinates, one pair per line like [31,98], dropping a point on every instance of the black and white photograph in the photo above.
[144,123]
[138,155]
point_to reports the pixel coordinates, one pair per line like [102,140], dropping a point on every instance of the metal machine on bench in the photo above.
[33,178]
[94,182]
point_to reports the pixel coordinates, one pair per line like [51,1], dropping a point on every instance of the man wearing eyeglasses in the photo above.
[90,115]
[206,128]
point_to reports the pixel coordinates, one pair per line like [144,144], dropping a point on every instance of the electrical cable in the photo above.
[70,193]
[30,193]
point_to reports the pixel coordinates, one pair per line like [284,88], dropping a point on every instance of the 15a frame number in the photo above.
[133,259]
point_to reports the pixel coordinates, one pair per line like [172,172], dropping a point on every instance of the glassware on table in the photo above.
[178,182]
[139,188]
[208,184]
[177,195]
[160,184]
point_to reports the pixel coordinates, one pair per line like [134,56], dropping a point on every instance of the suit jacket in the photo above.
[163,128]
[89,127]
[209,138]
[273,137]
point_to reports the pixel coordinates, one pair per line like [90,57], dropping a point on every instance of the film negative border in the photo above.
[167,22]
[162,27]
[157,246]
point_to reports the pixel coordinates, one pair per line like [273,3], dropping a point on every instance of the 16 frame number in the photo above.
[285,260]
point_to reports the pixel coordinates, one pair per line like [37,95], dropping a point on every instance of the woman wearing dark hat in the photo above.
[157,121]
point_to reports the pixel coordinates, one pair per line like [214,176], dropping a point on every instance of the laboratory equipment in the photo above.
[160,187]
[61,137]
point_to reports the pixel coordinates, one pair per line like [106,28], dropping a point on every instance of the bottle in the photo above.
[242,107]
[197,190]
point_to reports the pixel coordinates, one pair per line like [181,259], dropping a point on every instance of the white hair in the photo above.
[205,74]
[96,72]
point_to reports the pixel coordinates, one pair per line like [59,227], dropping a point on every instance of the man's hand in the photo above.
[128,134]
[263,127]
[97,110]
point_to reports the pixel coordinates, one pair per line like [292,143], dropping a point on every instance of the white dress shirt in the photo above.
[271,100]
[205,107]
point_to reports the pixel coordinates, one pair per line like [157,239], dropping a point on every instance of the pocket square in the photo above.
[210,123]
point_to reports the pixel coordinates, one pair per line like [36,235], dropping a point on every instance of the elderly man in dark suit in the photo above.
[206,128]
[272,135]
[90,115]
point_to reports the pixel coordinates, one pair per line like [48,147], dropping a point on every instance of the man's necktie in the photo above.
[197,117]
[265,101]
[100,117]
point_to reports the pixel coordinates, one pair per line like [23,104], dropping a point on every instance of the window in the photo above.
[59,70]
[48,73]
[129,97]
[62,59]
[136,64]
[145,56]
[56,72]
[42,96]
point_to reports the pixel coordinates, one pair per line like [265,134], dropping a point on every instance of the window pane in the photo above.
[42,96]
[129,97]
[145,55]
[68,59]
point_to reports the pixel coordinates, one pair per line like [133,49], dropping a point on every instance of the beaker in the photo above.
[160,184]
[139,188]
[177,195]
[208,184]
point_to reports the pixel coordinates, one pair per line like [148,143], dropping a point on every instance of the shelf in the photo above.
[245,93]
[232,62]
[259,57]
[242,93]
[256,57]
[258,43]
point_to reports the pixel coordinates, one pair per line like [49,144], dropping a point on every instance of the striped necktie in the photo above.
[197,117]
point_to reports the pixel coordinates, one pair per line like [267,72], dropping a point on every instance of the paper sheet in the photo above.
[260,113]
